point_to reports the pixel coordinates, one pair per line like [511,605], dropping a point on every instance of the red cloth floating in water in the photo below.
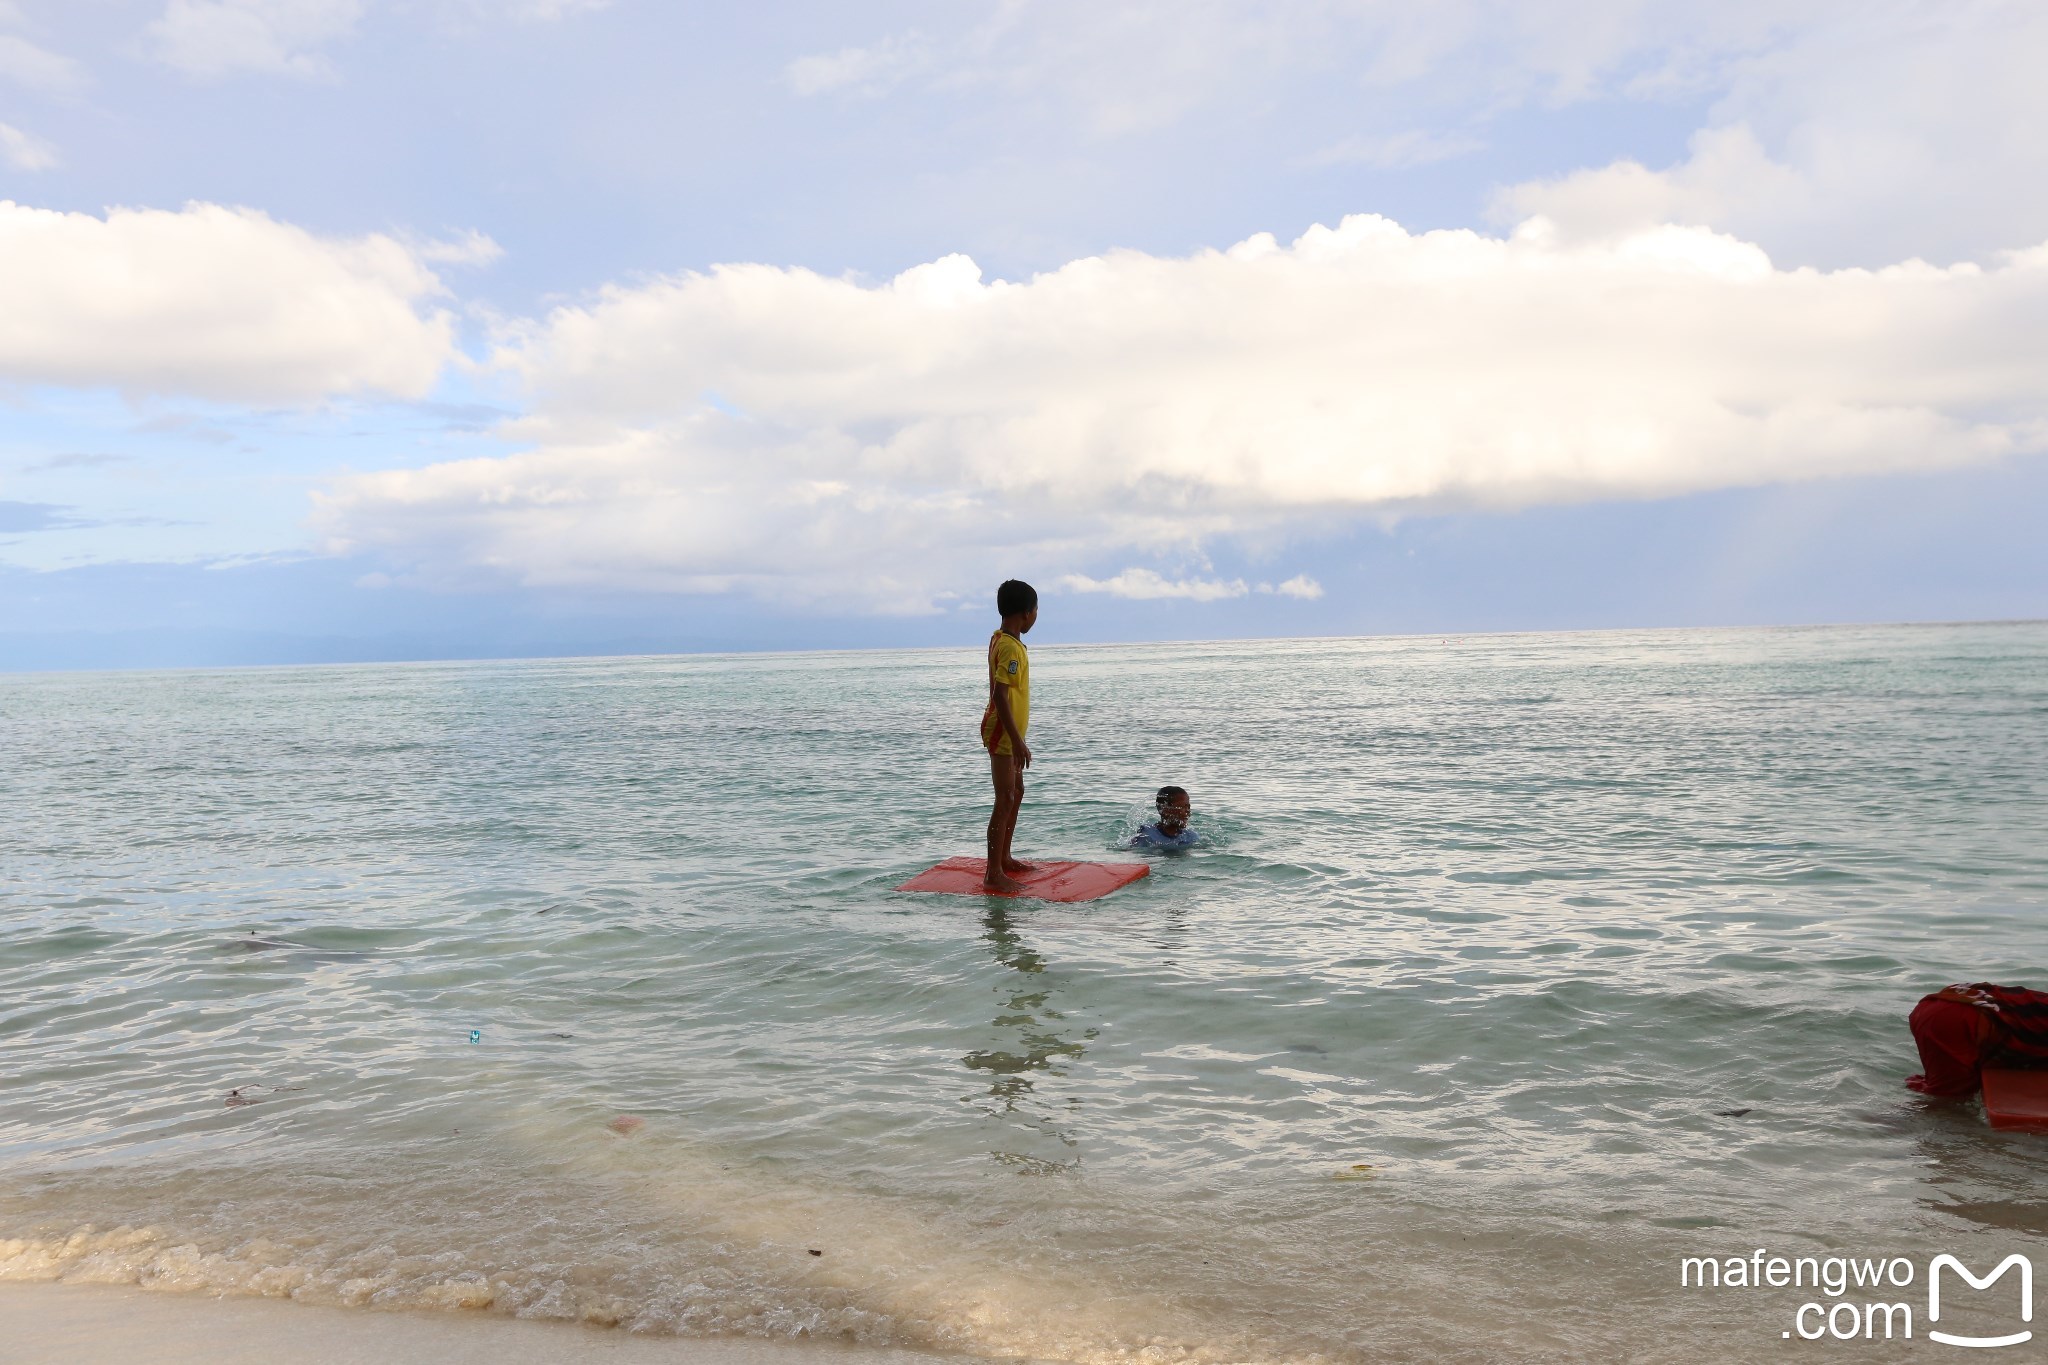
[1045,881]
[1952,1038]
[2016,1099]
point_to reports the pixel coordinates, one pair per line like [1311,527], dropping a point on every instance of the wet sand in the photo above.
[65,1324]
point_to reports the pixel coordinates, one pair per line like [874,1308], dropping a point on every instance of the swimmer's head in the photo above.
[1174,809]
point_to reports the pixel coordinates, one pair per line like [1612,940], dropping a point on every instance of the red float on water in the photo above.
[2016,1099]
[1045,882]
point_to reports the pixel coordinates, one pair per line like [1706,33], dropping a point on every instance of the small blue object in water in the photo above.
[476,1035]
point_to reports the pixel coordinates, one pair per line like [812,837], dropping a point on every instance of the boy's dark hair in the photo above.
[1167,794]
[1015,598]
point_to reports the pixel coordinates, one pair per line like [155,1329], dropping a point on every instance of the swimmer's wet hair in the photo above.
[1167,794]
[1015,598]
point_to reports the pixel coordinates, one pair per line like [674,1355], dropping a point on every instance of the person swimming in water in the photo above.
[1170,829]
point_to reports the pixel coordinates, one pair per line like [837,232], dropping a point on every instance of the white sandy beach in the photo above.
[63,1324]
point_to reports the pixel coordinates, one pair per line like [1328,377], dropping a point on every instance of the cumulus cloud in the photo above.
[777,431]
[1301,585]
[1836,132]
[213,302]
[24,152]
[1907,130]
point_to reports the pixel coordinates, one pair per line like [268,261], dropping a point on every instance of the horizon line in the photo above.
[1445,635]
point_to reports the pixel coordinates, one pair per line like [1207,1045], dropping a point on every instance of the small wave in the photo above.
[626,1238]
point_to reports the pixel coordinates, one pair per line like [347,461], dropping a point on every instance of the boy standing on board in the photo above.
[1002,727]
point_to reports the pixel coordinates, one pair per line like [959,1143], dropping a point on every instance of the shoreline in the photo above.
[49,1322]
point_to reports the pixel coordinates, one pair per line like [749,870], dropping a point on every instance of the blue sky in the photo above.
[357,329]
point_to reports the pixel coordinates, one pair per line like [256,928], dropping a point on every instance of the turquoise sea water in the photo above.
[1518,922]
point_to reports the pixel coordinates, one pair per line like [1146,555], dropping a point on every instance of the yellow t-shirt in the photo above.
[1008,662]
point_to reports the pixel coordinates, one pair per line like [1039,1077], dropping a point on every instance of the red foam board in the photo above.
[1047,881]
[2016,1099]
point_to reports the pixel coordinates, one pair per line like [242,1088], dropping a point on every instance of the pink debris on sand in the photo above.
[626,1123]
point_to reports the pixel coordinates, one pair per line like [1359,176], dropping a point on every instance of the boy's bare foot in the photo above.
[1000,884]
[1017,868]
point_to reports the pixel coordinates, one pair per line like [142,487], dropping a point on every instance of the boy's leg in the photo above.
[1008,779]
[1014,866]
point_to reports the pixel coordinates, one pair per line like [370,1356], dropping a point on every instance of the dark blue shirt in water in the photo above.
[1151,836]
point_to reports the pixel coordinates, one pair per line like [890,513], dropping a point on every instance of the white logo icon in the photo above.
[2026,1298]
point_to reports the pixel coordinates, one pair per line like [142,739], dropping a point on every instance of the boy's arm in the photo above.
[999,693]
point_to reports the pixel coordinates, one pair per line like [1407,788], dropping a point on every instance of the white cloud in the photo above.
[1152,586]
[1627,196]
[1143,585]
[1301,585]
[213,302]
[1838,133]
[539,11]
[1909,130]
[1396,151]
[1146,585]
[215,37]
[469,247]
[210,38]
[1136,67]
[26,64]
[25,152]
[779,432]
[864,70]
[465,16]
[1115,68]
